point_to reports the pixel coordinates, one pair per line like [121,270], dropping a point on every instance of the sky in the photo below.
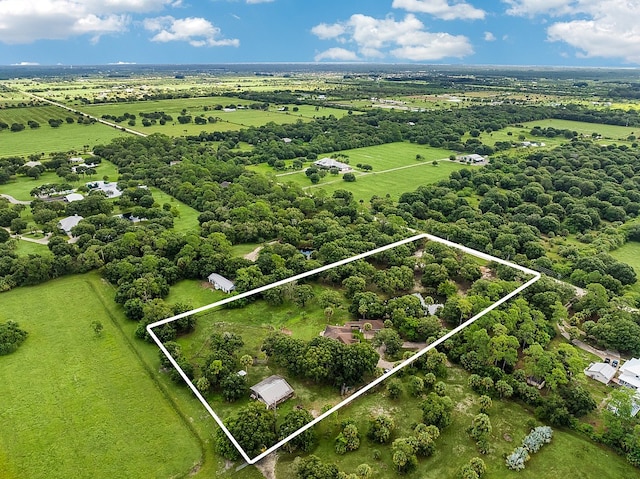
[586,33]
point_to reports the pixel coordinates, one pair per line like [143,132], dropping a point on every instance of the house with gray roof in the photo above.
[66,224]
[220,282]
[71,197]
[328,163]
[272,391]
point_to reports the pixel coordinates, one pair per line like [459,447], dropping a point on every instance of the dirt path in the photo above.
[267,466]
[254,254]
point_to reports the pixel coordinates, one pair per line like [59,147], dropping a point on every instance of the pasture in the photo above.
[393,183]
[608,132]
[187,219]
[46,139]
[76,404]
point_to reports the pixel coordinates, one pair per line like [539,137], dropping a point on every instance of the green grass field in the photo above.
[46,139]
[188,218]
[393,183]
[78,405]
[608,132]
[196,106]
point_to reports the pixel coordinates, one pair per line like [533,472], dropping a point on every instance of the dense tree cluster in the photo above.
[322,360]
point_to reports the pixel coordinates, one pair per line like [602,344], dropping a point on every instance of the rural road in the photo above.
[99,120]
[14,201]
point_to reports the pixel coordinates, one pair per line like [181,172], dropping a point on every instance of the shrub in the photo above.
[516,460]
[11,337]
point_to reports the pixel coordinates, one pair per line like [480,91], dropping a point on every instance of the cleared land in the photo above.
[393,183]
[47,139]
[78,405]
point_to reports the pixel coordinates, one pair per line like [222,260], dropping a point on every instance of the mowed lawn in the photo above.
[47,139]
[393,183]
[611,132]
[77,405]
[629,253]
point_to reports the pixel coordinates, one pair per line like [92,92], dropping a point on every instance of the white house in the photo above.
[76,160]
[473,158]
[31,164]
[71,197]
[602,372]
[109,189]
[329,163]
[221,283]
[630,374]
[66,224]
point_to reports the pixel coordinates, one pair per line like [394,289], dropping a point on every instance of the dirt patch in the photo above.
[507,437]
[314,413]
[465,404]
[487,273]
[267,466]
[207,285]
[195,469]
[286,331]
[254,254]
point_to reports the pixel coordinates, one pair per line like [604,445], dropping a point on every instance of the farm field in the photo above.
[629,253]
[393,183]
[47,139]
[608,132]
[73,401]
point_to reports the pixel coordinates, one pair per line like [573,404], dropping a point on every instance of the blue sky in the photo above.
[501,32]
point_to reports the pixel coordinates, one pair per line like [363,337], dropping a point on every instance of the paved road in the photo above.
[14,201]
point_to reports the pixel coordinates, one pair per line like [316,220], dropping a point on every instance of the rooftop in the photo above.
[272,390]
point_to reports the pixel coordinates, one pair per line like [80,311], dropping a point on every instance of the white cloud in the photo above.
[26,21]
[442,9]
[337,54]
[25,64]
[197,31]
[326,32]
[537,7]
[604,28]
[405,39]
[258,1]
[489,37]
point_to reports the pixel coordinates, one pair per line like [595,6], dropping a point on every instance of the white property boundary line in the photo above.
[374,383]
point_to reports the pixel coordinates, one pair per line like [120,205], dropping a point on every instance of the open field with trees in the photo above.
[569,209]
[73,395]
[393,183]
[45,138]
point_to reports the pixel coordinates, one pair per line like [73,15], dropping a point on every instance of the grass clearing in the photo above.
[47,139]
[188,218]
[393,183]
[72,402]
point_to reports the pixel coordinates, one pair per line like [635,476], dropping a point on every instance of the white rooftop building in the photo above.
[71,197]
[109,189]
[66,224]
[630,374]
[221,283]
[272,391]
[331,163]
[602,372]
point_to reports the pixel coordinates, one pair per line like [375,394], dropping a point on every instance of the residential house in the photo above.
[328,163]
[31,164]
[345,335]
[109,189]
[602,372]
[630,374]
[71,197]
[473,158]
[66,224]
[221,283]
[272,391]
